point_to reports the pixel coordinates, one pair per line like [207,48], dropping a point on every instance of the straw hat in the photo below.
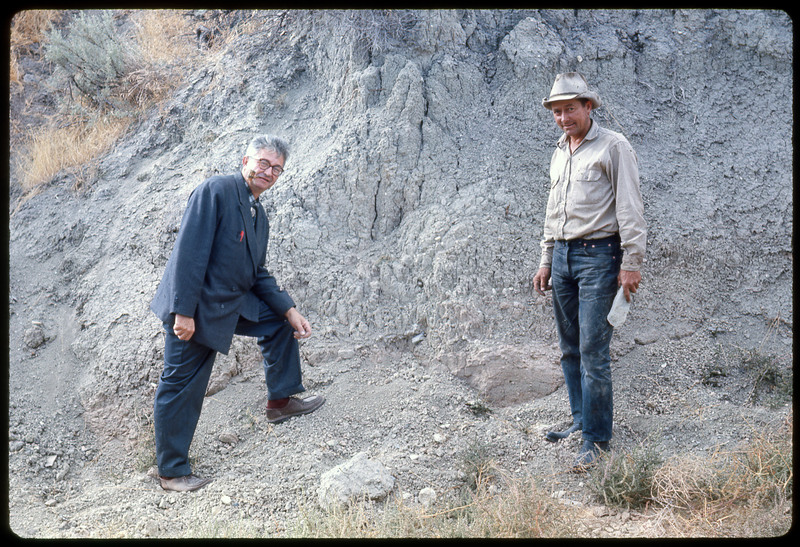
[571,85]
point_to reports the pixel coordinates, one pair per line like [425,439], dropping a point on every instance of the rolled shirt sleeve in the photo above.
[624,171]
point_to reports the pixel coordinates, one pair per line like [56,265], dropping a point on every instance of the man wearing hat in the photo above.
[593,243]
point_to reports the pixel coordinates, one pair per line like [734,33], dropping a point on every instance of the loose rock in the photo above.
[356,478]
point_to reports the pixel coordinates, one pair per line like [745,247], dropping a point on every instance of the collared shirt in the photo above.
[253,201]
[594,193]
[250,195]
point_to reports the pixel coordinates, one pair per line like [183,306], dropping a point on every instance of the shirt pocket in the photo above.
[237,232]
[589,174]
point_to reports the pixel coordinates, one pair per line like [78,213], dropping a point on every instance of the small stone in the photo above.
[150,528]
[50,460]
[427,496]
[346,353]
[34,337]
[62,473]
[228,437]
[600,511]
[226,500]
[439,438]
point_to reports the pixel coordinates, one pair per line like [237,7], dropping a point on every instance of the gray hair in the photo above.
[268,142]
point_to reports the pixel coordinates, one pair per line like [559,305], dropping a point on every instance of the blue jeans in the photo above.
[184,380]
[584,279]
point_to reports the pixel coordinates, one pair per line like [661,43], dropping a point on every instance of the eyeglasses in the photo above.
[264,165]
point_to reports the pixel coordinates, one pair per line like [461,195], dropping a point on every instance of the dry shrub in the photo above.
[52,149]
[520,509]
[376,30]
[686,482]
[28,27]
[626,479]
[122,70]
[149,65]
[503,507]
[731,489]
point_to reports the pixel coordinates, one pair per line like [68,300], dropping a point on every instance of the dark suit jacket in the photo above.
[216,270]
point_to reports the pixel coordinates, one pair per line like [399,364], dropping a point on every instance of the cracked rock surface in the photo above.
[407,228]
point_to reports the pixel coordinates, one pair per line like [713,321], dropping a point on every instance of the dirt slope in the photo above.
[407,226]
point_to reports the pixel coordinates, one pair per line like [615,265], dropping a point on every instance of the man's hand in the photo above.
[541,281]
[301,326]
[629,281]
[183,327]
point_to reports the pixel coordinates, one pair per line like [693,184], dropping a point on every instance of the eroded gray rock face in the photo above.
[412,203]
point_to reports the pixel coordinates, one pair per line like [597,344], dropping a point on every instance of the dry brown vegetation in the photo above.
[79,131]
[742,492]
[74,147]
[27,28]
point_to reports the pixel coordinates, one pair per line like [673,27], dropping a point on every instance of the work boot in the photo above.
[588,455]
[555,436]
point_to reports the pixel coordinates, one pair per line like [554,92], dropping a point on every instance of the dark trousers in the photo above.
[184,380]
[584,279]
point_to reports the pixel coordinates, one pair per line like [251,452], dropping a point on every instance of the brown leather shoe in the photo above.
[295,407]
[187,483]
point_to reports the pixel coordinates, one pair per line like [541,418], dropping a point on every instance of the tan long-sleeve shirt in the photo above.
[594,193]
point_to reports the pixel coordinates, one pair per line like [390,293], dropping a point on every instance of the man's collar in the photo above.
[244,189]
[592,133]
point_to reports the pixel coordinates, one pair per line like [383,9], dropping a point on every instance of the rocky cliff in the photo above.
[410,212]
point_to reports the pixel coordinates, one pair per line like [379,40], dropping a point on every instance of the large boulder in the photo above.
[358,478]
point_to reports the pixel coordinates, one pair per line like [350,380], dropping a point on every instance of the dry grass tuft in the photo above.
[71,148]
[731,492]
[164,36]
[164,41]
[519,509]
[28,27]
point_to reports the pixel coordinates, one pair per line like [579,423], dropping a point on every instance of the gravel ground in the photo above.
[416,419]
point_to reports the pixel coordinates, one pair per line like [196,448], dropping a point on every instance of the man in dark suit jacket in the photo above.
[215,285]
